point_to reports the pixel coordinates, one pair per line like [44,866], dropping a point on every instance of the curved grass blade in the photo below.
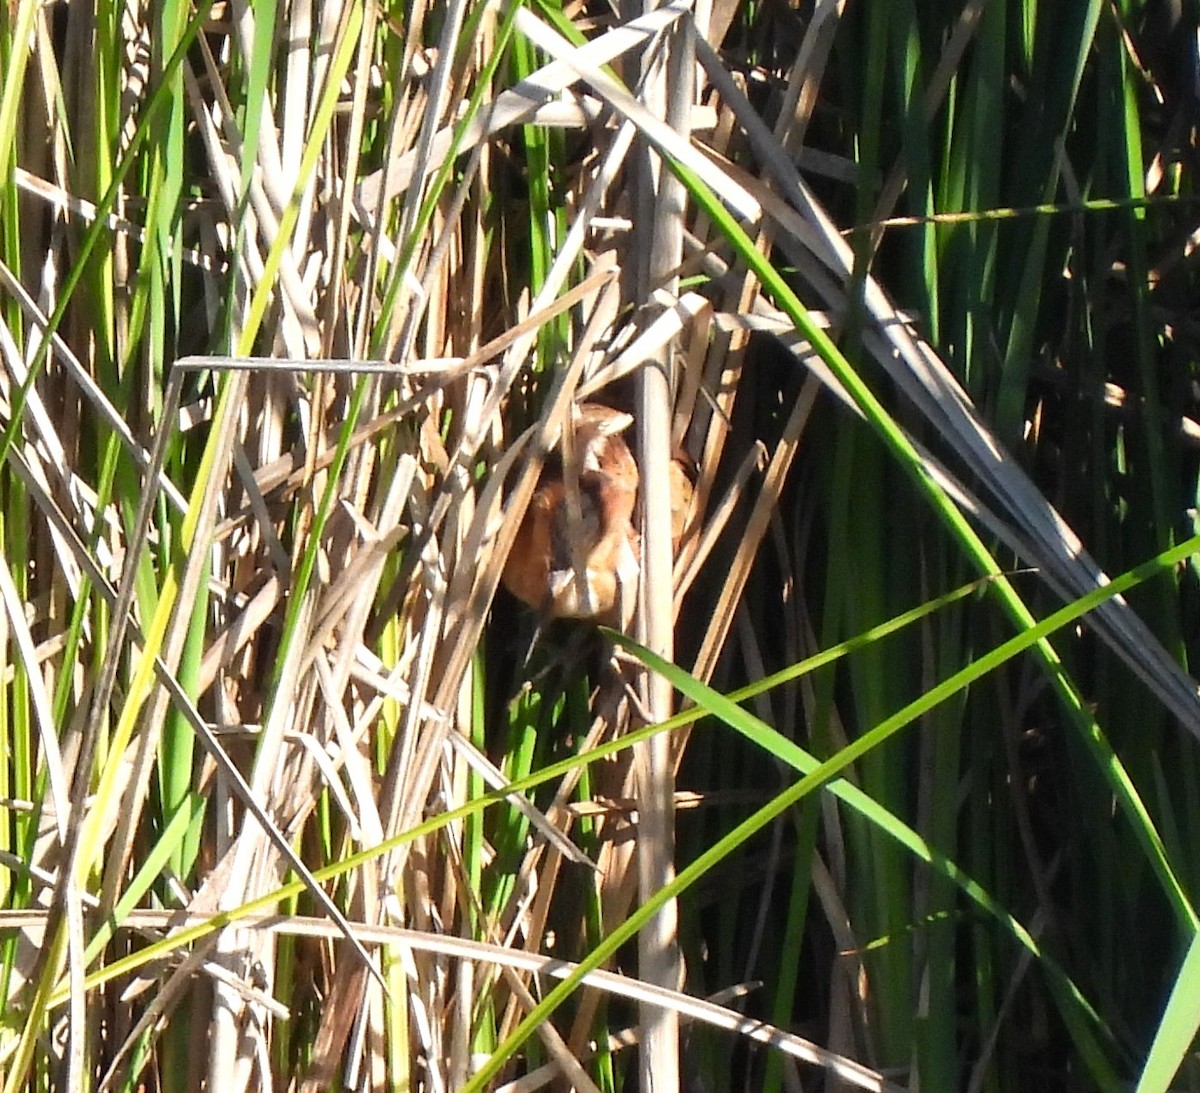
[1081,1018]
[1178,1028]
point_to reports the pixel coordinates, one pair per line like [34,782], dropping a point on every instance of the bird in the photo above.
[580,523]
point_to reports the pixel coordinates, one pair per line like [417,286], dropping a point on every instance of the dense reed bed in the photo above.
[892,781]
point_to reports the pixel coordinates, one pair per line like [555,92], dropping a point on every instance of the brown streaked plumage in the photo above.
[557,542]
[681,500]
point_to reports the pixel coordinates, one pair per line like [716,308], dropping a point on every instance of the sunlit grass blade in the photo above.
[1178,1028]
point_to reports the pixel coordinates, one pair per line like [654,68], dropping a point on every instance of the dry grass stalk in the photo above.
[348,528]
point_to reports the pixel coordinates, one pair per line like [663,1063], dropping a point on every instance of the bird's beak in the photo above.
[614,424]
[603,419]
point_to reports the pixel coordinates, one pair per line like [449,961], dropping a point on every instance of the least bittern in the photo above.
[576,552]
